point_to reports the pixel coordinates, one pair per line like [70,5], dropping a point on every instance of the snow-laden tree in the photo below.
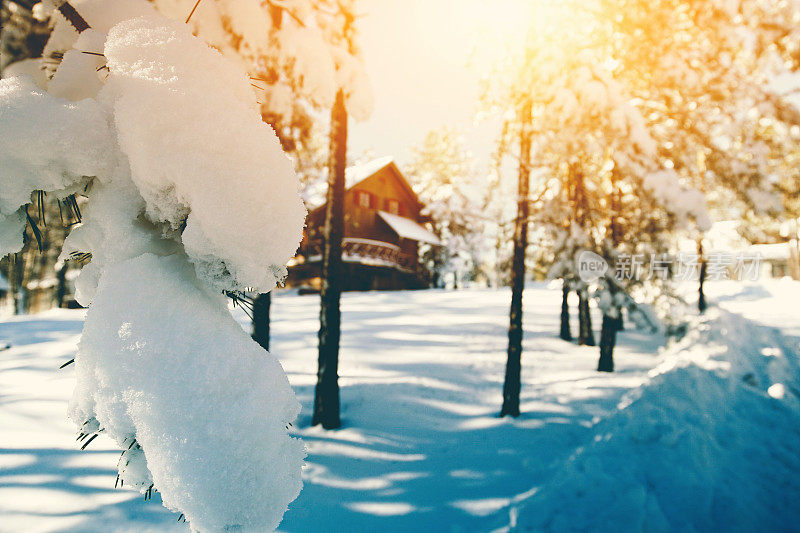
[299,55]
[705,73]
[594,135]
[586,123]
[353,98]
[189,195]
[444,176]
[291,64]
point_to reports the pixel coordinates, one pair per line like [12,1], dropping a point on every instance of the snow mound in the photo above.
[710,443]
[163,366]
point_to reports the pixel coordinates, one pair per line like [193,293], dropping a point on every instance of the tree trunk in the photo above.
[565,333]
[585,333]
[326,394]
[512,385]
[261,307]
[16,287]
[702,305]
[608,339]
[61,286]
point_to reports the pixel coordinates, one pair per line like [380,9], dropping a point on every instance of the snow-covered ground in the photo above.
[709,436]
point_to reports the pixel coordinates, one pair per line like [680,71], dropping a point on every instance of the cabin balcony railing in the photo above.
[368,252]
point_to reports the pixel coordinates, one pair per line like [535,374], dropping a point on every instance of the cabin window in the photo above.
[363,199]
[394,207]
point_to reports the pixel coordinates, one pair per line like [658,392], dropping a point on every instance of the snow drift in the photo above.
[722,411]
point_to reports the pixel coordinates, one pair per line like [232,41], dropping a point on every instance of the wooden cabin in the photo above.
[383,232]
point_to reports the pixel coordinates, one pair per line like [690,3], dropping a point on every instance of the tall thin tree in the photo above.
[353,98]
[612,315]
[581,208]
[512,384]
[565,332]
[326,394]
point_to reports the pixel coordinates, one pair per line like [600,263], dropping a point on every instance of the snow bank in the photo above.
[162,363]
[710,443]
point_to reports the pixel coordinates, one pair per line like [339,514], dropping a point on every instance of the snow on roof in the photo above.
[314,195]
[778,250]
[408,229]
[356,173]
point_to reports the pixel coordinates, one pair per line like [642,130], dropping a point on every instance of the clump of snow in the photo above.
[11,228]
[47,143]
[223,155]
[161,362]
[682,202]
[352,78]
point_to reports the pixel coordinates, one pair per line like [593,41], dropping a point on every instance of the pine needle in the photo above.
[40,201]
[192,12]
[35,229]
[85,444]
[72,203]
[80,257]
[241,300]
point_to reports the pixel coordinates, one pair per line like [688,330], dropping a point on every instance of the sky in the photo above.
[425,59]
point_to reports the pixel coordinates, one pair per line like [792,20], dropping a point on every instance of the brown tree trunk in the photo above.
[326,394]
[565,332]
[61,286]
[261,323]
[608,339]
[512,383]
[16,289]
[585,333]
[611,324]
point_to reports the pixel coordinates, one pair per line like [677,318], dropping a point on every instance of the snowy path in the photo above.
[422,377]
[421,448]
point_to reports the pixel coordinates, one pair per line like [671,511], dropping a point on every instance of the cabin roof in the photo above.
[315,196]
[408,229]
[358,173]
